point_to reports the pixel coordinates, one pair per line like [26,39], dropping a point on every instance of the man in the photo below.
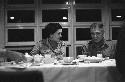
[98,45]
[8,56]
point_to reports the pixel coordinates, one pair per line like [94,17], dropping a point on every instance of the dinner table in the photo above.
[104,71]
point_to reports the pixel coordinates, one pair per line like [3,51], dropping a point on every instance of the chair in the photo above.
[21,76]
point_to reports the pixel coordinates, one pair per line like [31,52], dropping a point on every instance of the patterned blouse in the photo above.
[106,48]
[47,46]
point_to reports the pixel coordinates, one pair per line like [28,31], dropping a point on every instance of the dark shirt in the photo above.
[106,48]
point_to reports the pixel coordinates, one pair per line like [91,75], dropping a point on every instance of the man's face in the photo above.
[97,34]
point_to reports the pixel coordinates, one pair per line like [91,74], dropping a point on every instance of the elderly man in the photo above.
[98,45]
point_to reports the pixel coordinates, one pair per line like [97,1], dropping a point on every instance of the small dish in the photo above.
[68,59]
[68,63]
[15,67]
[93,59]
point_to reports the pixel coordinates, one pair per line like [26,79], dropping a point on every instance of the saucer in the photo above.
[68,63]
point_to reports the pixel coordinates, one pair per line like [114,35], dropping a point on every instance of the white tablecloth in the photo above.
[83,72]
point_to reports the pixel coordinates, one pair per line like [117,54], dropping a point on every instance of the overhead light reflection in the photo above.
[118,16]
[64,18]
[11,18]
[67,3]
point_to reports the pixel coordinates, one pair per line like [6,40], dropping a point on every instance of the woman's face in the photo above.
[57,35]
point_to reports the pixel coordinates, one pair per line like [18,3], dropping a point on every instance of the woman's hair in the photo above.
[51,28]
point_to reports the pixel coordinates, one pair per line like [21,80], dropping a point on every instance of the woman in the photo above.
[51,44]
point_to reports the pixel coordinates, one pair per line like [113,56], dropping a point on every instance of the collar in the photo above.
[99,45]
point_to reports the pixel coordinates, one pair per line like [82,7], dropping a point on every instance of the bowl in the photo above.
[93,59]
[48,60]
[81,57]
[38,58]
[29,59]
[68,59]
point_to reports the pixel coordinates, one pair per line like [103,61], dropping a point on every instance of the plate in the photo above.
[6,64]
[37,64]
[81,60]
[68,63]
[15,67]
[93,59]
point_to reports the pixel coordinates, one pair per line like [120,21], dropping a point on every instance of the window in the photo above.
[82,34]
[79,50]
[20,16]
[57,15]
[118,1]
[20,1]
[22,49]
[64,34]
[115,32]
[67,51]
[118,14]
[88,15]
[54,1]
[77,15]
[87,1]
[20,35]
